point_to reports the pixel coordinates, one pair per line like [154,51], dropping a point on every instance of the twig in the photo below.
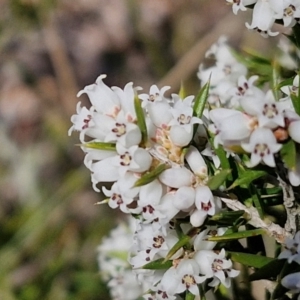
[291,207]
[273,229]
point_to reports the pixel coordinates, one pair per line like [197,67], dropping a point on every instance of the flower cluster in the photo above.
[167,161]
[267,12]
[292,253]
[264,123]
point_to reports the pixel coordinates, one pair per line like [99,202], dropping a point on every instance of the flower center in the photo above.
[183,119]
[153,97]
[149,209]
[158,241]
[119,130]
[242,89]
[117,198]
[86,122]
[270,110]
[217,265]
[261,149]
[125,159]
[162,294]
[206,206]
[227,70]
[188,280]
[289,11]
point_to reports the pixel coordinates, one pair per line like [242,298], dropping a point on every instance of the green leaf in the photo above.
[246,177]
[270,270]
[296,102]
[250,260]
[236,235]
[141,119]
[184,240]
[201,99]
[123,255]
[221,153]
[285,82]
[288,154]
[151,176]
[189,296]
[158,264]
[257,201]
[228,217]
[182,91]
[100,146]
[215,181]
[275,79]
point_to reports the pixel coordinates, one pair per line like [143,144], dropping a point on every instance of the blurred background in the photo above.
[49,50]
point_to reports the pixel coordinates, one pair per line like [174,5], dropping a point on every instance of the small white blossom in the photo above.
[262,146]
[292,249]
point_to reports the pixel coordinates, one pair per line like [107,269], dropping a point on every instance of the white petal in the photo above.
[179,136]
[184,198]
[176,177]
[196,161]
[294,131]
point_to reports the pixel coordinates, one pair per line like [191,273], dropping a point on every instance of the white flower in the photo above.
[208,151]
[133,159]
[268,112]
[263,18]
[292,249]
[122,131]
[149,199]
[184,277]
[126,98]
[287,10]
[262,146]
[205,205]
[215,266]
[225,121]
[157,106]
[121,193]
[103,99]
[292,282]
[240,4]
[88,122]
[200,242]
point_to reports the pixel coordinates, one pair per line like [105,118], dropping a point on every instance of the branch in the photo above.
[273,229]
